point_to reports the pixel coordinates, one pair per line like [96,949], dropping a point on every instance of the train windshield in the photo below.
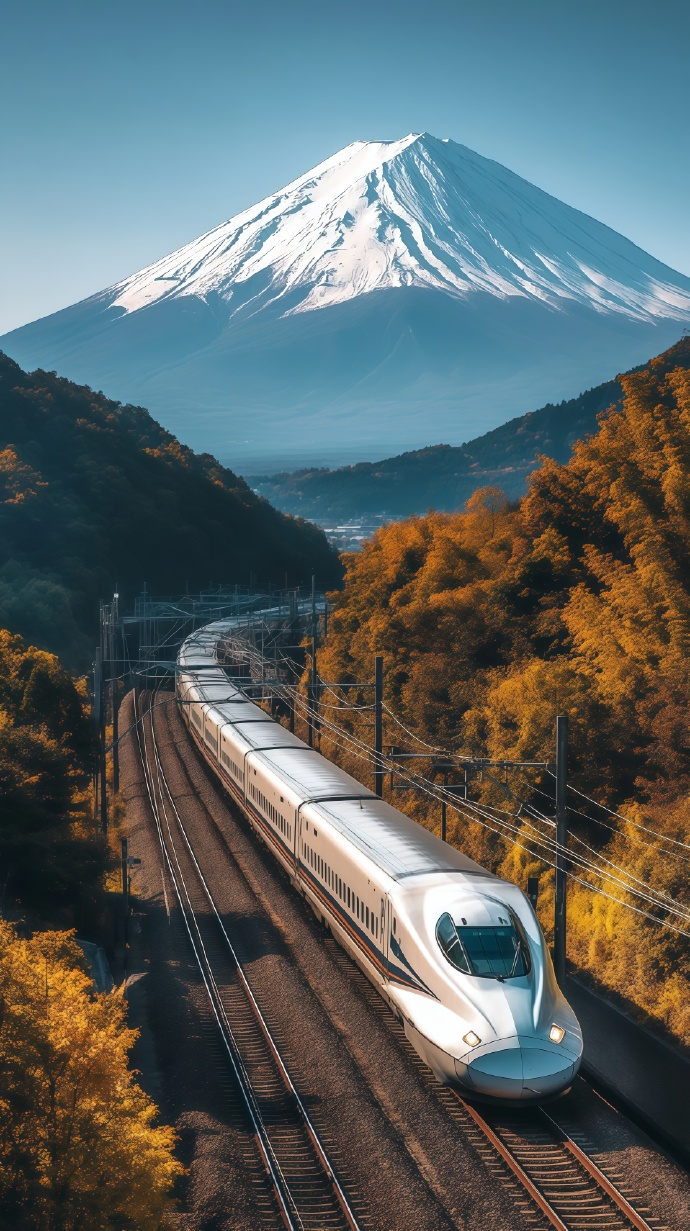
[488,952]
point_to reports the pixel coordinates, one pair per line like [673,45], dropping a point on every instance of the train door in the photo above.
[299,827]
[296,819]
[385,927]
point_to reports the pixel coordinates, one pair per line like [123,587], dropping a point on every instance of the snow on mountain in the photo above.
[418,212]
[400,293]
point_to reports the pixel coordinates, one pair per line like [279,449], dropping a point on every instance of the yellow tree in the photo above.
[79,1146]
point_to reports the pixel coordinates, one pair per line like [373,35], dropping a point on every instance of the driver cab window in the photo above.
[487,952]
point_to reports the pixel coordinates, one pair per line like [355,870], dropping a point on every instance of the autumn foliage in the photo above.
[577,600]
[51,857]
[79,1146]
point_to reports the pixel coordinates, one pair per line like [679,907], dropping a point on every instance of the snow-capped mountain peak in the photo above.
[398,294]
[418,212]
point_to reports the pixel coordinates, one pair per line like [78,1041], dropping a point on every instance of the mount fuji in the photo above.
[399,294]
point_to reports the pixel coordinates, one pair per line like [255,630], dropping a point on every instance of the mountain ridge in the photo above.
[443,477]
[96,496]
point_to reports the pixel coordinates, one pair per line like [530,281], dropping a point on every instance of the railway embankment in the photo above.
[643,1073]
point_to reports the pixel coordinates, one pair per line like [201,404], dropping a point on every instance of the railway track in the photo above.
[308,1195]
[565,1184]
[554,1182]
[565,1187]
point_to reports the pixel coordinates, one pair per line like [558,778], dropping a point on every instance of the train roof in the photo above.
[307,771]
[399,846]
[265,733]
[393,841]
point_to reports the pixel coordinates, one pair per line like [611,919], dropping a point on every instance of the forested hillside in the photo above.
[495,620]
[442,477]
[95,495]
[51,858]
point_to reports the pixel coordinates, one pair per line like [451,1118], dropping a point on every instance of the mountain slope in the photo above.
[95,496]
[409,286]
[442,477]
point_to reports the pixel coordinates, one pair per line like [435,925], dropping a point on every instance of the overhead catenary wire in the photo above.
[628,837]
[629,821]
[511,826]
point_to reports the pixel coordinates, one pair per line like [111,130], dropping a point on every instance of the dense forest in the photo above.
[96,496]
[51,859]
[576,600]
[442,476]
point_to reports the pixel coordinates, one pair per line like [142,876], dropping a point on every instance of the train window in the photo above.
[394,926]
[450,944]
[348,897]
[488,952]
[367,915]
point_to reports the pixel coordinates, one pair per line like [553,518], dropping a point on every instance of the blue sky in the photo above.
[131,127]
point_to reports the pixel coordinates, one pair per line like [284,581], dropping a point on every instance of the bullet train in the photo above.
[456,952]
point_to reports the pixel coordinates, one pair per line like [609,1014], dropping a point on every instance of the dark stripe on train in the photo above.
[388,968]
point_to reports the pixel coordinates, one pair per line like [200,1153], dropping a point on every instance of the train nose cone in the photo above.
[526,1070]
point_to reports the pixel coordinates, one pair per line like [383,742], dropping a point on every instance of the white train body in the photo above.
[392,893]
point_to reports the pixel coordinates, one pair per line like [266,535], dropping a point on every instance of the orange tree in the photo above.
[494,620]
[79,1146]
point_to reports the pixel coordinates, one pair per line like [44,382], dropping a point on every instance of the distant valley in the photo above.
[439,477]
[442,477]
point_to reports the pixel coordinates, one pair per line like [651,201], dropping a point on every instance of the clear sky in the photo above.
[132,126]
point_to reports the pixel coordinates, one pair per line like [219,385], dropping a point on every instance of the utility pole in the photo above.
[115,690]
[314,621]
[443,809]
[125,888]
[97,728]
[559,932]
[100,719]
[378,725]
[313,696]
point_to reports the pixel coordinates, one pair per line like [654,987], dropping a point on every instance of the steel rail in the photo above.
[323,1157]
[604,1188]
[296,1101]
[602,1180]
[244,1086]
[466,1114]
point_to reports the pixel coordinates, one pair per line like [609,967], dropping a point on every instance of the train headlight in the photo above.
[556,1034]
[471,1039]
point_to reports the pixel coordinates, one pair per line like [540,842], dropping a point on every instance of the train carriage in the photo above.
[456,952]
